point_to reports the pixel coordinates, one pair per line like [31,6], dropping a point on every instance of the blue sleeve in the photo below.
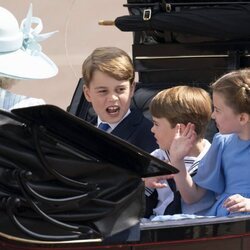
[210,172]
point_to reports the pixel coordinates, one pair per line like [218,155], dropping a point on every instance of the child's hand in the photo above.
[237,203]
[183,141]
[156,181]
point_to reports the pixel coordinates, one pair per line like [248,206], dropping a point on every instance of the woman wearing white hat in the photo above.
[21,57]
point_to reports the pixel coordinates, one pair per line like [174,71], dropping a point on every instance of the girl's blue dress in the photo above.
[225,170]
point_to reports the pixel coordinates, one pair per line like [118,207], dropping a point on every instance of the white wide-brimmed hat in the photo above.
[21,55]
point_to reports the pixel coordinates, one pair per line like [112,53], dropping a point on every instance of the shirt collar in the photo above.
[112,125]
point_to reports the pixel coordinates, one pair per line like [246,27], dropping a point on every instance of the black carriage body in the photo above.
[197,42]
[217,233]
[197,64]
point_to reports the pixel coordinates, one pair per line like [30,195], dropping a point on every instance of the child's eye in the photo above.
[155,124]
[102,91]
[216,110]
[121,90]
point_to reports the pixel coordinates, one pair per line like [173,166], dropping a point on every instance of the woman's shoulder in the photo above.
[28,102]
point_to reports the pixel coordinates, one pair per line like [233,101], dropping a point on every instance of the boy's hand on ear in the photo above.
[184,139]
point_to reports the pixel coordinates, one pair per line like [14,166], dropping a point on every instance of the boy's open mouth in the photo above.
[113,109]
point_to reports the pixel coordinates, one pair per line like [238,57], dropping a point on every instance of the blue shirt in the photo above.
[225,170]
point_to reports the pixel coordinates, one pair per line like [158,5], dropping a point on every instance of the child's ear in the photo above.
[132,88]
[244,118]
[86,93]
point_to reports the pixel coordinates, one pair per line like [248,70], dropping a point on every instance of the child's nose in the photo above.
[152,129]
[113,97]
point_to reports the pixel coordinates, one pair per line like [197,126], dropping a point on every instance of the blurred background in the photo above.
[79,34]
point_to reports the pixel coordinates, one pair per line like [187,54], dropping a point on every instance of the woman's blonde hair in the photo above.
[6,83]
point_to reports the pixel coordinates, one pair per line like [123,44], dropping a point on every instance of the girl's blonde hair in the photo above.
[235,88]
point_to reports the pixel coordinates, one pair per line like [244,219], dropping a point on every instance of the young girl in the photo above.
[225,168]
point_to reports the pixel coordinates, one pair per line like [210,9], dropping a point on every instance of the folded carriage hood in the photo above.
[85,137]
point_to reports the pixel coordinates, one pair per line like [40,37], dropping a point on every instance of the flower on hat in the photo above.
[21,55]
[32,37]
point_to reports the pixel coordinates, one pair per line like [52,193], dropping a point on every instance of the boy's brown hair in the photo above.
[183,104]
[110,60]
